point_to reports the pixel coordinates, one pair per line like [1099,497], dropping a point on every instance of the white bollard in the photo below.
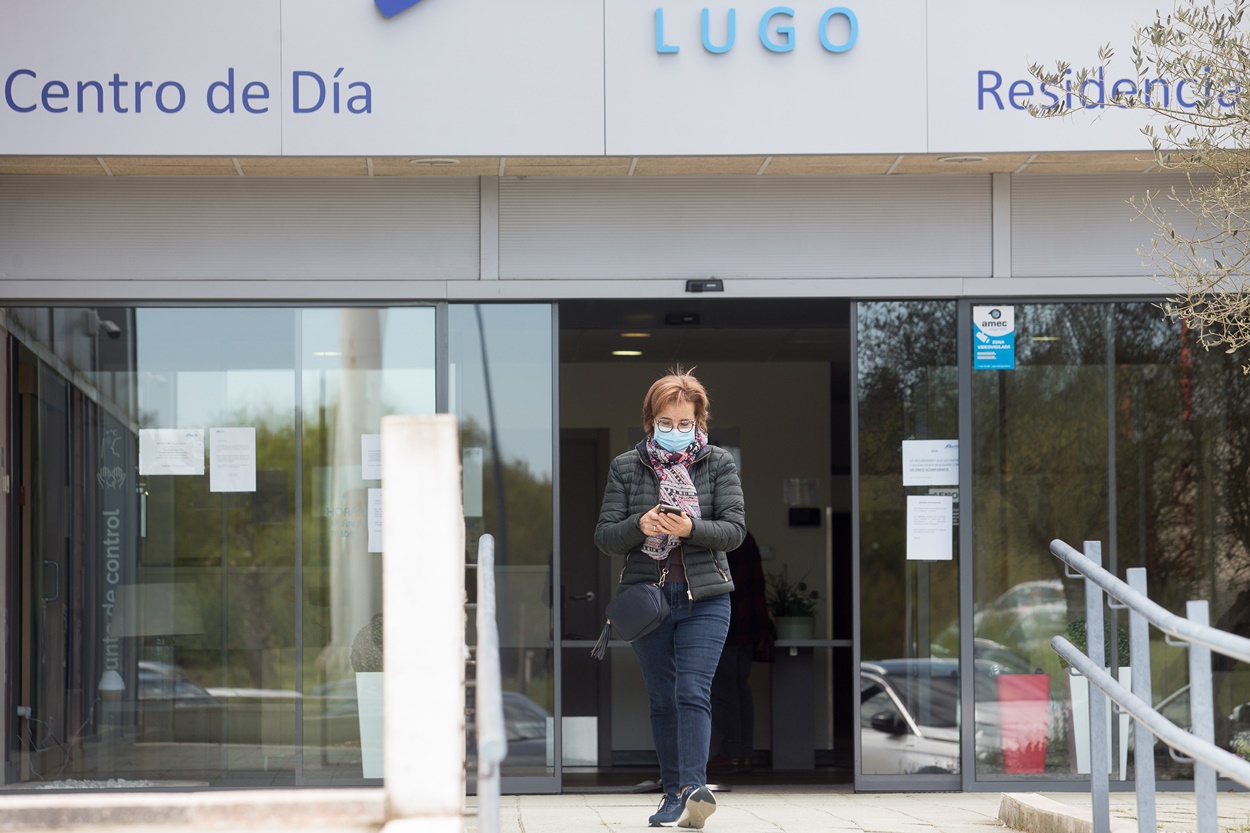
[423,600]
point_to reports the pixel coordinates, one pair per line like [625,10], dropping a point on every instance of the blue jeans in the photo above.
[678,661]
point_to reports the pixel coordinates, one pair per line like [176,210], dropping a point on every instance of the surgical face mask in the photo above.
[675,440]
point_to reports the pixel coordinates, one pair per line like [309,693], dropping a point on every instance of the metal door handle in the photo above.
[588,596]
[56,585]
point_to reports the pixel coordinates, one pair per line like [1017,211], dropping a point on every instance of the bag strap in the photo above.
[602,645]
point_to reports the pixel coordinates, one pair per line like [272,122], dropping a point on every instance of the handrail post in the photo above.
[1202,716]
[492,740]
[1143,740]
[1099,779]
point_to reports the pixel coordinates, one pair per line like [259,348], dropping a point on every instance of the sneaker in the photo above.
[669,810]
[697,803]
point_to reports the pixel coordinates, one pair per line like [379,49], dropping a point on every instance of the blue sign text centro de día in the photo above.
[775,31]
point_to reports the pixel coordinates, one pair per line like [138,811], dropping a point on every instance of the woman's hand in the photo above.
[655,522]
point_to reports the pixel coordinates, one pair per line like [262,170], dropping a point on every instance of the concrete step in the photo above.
[323,810]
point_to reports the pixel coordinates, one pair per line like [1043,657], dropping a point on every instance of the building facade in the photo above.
[234,237]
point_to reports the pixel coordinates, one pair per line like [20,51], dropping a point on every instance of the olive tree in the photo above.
[1201,245]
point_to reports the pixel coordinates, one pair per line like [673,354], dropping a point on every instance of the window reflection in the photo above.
[1112,414]
[907,390]
[501,389]
[216,625]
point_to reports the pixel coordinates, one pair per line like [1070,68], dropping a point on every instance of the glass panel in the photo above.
[1095,382]
[1182,505]
[358,365]
[1039,458]
[218,569]
[908,394]
[501,389]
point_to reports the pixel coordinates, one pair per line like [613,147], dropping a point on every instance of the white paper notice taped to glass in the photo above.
[232,459]
[171,451]
[930,462]
[930,528]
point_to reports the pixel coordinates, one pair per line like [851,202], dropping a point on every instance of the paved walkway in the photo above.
[791,810]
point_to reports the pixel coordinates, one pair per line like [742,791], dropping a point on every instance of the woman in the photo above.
[683,550]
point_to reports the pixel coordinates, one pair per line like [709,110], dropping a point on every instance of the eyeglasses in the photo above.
[666,425]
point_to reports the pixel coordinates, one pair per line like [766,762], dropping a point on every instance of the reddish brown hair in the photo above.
[678,386]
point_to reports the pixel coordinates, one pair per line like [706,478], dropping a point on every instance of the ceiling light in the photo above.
[1045,338]
[626,352]
[963,159]
[327,353]
[635,335]
[434,160]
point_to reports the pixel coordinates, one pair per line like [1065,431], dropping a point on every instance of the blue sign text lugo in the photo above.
[776,31]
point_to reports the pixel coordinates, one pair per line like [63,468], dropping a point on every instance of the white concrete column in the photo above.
[423,637]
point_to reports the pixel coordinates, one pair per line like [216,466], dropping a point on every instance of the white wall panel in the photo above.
[745,227]
[750,99]
[1076,225]
[172,229]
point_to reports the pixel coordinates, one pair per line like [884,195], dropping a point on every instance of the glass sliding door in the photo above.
[357,365]
[907,503]
[1040,471]
[502,387]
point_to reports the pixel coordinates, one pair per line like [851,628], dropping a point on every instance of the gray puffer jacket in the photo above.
[634,489]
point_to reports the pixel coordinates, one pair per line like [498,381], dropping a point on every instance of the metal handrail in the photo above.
[492,740]
[1174,736]
[1193,632]
[1178,627]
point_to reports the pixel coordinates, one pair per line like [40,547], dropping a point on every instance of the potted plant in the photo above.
[792,606]
[1075,633]
[366,657]
[1079,695]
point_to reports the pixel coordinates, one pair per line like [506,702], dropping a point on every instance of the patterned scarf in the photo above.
[676,488]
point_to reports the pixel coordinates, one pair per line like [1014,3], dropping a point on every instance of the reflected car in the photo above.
[1232,731]
[909,710]
[525,726]
[525,721]
[1025,617]
[909,716]
[160,681]
[173,709]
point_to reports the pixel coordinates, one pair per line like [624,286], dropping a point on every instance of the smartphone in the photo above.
[669,510]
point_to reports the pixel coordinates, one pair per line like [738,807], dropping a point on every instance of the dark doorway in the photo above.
[778,372]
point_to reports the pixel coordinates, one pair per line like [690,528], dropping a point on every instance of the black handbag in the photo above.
[635,612]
